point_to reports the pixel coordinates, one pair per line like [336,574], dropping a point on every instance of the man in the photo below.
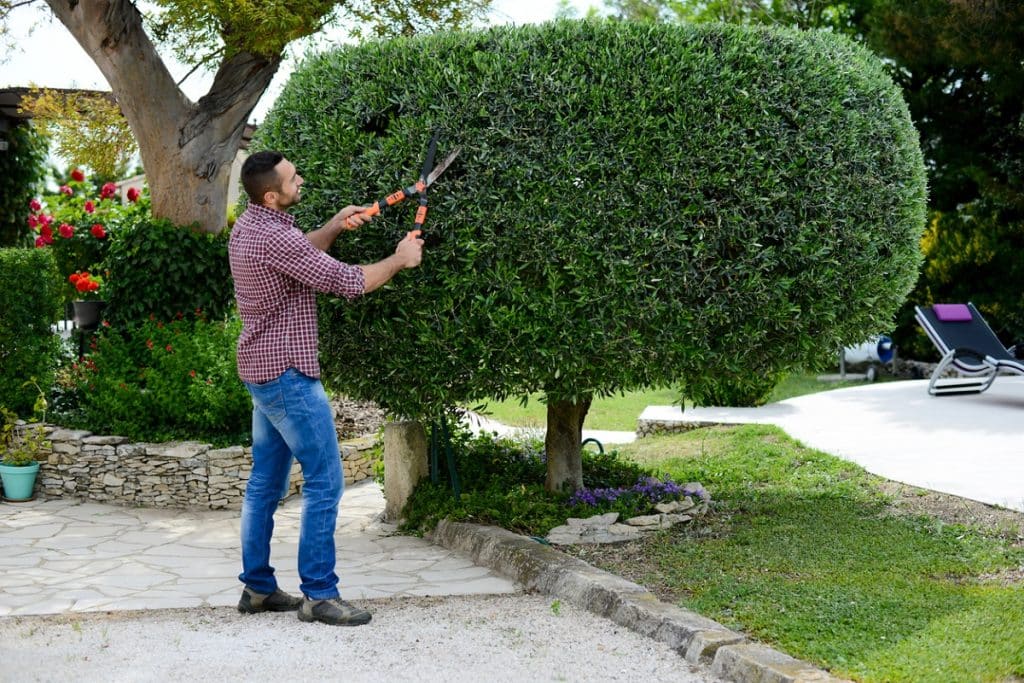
[277,271]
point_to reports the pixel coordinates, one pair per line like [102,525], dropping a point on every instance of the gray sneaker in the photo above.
[333,611]
[252,602]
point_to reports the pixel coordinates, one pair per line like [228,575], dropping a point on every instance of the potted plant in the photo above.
[19,464]
[89,304]
[20,453]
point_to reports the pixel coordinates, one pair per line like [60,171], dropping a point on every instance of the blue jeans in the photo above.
[291,417]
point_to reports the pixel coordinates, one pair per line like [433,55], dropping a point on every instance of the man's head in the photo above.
[271,180]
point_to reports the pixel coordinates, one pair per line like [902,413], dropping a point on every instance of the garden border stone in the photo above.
[699,640]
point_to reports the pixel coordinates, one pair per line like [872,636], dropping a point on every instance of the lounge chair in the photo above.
[968,344]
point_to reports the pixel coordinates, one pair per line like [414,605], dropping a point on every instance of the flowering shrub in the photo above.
[160,381]
[78,225]
[86,284]
[645,492]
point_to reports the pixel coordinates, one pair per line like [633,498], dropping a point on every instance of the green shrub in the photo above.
[157,268]
[28,347]
[161,381]
[502,483]
[634,205]
[22,171]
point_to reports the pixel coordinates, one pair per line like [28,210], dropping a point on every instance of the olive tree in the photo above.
[634,205]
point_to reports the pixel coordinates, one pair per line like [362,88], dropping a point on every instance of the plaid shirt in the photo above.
[277,272]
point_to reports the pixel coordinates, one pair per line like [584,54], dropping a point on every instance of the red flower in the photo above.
[32,221]
[149,343]
[98,232]
[77,175]
[108,190]
[106,323]
[47,233]
[66,189]
[66,231]
[191,373]
[45,218]
[89,207]
[133,194]
[74,278]
[169,348]
[35,205]
[40,242]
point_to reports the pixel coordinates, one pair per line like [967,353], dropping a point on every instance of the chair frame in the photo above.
[979,364]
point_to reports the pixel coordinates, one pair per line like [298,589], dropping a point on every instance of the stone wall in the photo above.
[180,474]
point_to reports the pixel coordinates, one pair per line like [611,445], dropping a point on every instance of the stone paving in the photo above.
[61,556]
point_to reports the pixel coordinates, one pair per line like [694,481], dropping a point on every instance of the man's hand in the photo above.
[410,252]
[355,217]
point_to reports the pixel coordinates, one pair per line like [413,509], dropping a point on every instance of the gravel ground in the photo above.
[480,638]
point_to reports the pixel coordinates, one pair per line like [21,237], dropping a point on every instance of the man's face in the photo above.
[291,185]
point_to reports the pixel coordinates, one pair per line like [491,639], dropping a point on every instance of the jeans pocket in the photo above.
[268,398]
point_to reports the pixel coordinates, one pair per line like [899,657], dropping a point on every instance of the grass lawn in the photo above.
[805,552]
[620,412]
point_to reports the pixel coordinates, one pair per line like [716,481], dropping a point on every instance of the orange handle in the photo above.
[369,213]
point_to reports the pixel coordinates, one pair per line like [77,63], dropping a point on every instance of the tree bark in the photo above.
[563,445]
[187,148]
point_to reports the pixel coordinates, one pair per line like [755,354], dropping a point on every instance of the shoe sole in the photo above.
[311,618]
[250,610]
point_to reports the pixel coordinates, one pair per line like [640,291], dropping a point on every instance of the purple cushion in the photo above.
[952,313]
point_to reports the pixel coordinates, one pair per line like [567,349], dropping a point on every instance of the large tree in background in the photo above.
[187,147]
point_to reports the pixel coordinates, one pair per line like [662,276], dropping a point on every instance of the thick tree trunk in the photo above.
[563,445]
[186,147]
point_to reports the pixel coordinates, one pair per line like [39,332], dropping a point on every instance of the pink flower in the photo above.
[35,205]
[32,221]
[98,232]
[133,194]
[77,175]
[66,231]
[108,190]
[66,189]
[89,207]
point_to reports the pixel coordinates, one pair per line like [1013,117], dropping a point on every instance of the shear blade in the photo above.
[440,168]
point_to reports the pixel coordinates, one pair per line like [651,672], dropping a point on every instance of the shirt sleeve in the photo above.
[290,253]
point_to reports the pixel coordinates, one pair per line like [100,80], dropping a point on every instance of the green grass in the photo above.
[620,412]
[801,554]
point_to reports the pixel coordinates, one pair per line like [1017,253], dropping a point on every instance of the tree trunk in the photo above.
[187,148]
[563,445]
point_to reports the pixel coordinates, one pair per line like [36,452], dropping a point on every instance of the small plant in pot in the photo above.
[20,455]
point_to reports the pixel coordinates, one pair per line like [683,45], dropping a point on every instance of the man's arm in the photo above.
[408,254]
[323,238]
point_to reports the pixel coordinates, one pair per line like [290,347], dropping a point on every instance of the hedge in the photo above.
[634,205]
[29,297]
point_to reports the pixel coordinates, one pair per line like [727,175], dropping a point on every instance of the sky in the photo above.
[48,56]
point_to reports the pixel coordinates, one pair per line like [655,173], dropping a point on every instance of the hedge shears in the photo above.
[428,175]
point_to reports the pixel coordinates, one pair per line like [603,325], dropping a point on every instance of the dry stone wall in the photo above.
[180,474]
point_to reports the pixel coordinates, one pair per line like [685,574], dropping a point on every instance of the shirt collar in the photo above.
[267,213]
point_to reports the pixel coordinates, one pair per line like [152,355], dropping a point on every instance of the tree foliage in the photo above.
[87,128]
[710,228]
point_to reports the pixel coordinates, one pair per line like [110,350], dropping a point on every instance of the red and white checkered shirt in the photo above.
[277,273]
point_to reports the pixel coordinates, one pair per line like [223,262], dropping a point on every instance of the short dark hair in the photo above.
[259,175]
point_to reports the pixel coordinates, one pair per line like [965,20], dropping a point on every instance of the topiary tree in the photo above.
[635,205]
